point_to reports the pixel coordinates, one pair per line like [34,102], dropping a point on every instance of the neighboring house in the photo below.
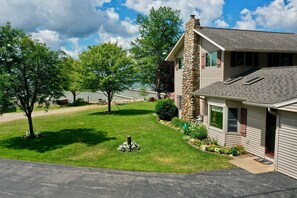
[245,85]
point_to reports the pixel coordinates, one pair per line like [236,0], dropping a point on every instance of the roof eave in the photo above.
[211,41]
[176,48]
[221,97]
[285,103]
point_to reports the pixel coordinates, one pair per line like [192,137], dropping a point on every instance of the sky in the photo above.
[73,25]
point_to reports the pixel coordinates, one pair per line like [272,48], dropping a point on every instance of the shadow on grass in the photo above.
[58,139]
[125,112]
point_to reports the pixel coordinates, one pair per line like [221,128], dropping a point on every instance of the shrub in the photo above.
[165,109]
[240,149]
[198,131]
[225,150]
[177,122]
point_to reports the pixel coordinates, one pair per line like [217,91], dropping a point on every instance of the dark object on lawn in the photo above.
[152,99]
[129,141]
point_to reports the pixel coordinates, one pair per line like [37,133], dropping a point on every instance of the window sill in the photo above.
[215,129]
[233,133]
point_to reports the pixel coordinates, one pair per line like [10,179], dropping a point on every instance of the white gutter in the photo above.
[208,39]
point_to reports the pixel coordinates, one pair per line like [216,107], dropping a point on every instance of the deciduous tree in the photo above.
[159,31]
[109,69]
[29,71]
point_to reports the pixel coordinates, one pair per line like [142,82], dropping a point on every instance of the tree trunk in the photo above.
[74,96]
[29,116]
[158,95]
[109,102]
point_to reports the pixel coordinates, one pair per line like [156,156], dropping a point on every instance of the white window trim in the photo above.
[238,122]
[223,105]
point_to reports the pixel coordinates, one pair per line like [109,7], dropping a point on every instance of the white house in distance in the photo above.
[244,83]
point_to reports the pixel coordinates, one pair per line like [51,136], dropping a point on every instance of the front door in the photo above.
[270,134]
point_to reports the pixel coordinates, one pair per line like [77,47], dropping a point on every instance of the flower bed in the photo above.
[192,133]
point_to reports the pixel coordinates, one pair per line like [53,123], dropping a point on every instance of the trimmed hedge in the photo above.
[165,109]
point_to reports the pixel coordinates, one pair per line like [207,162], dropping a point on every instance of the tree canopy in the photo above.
[29,71]
[108,69]
[159,32]
[74,72]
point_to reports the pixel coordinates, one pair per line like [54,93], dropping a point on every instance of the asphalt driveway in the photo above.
[27,179]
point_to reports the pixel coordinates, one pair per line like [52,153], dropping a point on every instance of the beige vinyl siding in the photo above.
[292,107]
[255,134]
[287,144]
[234,71]
[232,139]
[217,135]
[209,75]
[178,79]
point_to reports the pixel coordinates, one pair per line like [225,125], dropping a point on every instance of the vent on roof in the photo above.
[253,80]
[232,80]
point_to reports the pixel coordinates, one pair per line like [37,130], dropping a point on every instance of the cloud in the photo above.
[278,15]
[51,38]
[221,23]
[76,49]
[69,17]
[206,10]
[247,21]
[124,42]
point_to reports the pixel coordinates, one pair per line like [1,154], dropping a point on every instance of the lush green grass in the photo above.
[90,138]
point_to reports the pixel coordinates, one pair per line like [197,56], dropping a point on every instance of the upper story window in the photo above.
[279,59]
[180,63]
[244,59]
[211,59]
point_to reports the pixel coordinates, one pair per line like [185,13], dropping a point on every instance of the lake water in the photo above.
[95,96]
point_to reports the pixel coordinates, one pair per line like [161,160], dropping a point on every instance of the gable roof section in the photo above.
[249,40]
[176,48]
[278,85]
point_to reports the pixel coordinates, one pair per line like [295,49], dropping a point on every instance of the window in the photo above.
[211,59]
[216,116]
[243,122]
[180,63]
[279,59]
[232,119]
[244,59]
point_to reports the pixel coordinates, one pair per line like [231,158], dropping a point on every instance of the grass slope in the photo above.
[90,138]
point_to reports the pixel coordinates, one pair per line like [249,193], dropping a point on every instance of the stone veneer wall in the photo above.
[190,83]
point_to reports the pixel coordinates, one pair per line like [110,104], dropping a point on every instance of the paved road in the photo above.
[16,116]
[26,179]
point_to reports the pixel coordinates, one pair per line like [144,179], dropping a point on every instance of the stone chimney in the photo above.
[191,72]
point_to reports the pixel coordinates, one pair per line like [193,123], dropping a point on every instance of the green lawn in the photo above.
[90,138]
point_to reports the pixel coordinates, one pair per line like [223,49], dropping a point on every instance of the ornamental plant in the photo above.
[165,109]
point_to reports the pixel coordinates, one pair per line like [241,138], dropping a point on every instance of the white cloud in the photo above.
[112,14]
[76,48]
[129,26]
[278,15]
[124,42]
[51,38]
[206,10]
[247,22]
[221,23]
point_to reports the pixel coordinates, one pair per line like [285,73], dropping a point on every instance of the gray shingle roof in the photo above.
[248,40]
[278,85]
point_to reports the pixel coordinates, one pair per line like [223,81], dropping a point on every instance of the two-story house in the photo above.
[244,83]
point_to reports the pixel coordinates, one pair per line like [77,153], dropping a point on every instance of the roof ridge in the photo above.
[247,30]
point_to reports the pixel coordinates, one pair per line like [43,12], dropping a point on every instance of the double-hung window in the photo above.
[232,119]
